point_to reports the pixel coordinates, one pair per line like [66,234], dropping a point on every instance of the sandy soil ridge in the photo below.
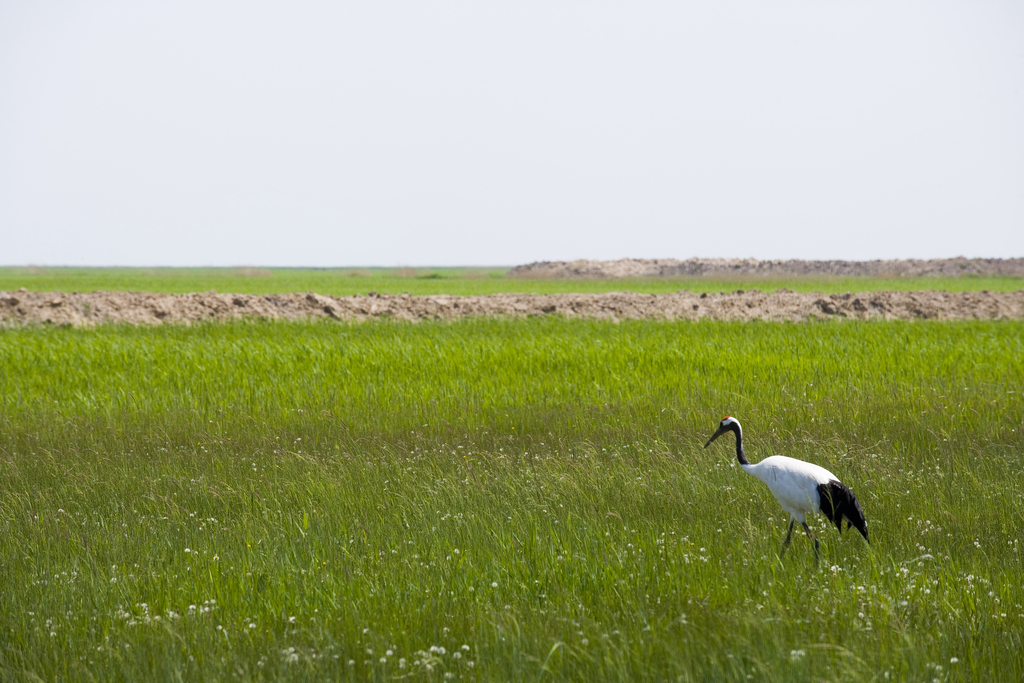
[91,308]
[698,267]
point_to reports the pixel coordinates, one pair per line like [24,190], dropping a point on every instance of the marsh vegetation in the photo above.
[506,500]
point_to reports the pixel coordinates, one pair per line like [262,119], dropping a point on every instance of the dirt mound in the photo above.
[747,268]
[57,308]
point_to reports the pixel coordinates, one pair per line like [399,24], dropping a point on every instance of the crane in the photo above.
[800,488]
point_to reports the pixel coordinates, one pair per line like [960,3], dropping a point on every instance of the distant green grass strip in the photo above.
[458,281]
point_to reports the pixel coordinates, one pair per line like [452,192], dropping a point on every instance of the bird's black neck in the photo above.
[739,443]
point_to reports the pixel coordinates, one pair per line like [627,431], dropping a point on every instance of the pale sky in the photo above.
[428,132]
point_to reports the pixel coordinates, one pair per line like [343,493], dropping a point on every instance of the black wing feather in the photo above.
[838,502]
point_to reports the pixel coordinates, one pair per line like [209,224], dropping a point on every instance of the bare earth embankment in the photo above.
[90,308]
[755,268]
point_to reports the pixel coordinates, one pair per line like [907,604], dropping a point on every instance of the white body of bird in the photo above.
[794,483]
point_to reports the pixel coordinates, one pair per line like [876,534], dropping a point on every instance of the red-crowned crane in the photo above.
[800,488]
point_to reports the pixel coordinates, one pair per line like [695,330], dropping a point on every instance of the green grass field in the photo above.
[506,500]
[463,281]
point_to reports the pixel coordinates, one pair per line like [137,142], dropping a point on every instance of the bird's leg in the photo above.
[812,537]
[789,537]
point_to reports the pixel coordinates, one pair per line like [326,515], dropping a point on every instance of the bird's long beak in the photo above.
[721,430]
